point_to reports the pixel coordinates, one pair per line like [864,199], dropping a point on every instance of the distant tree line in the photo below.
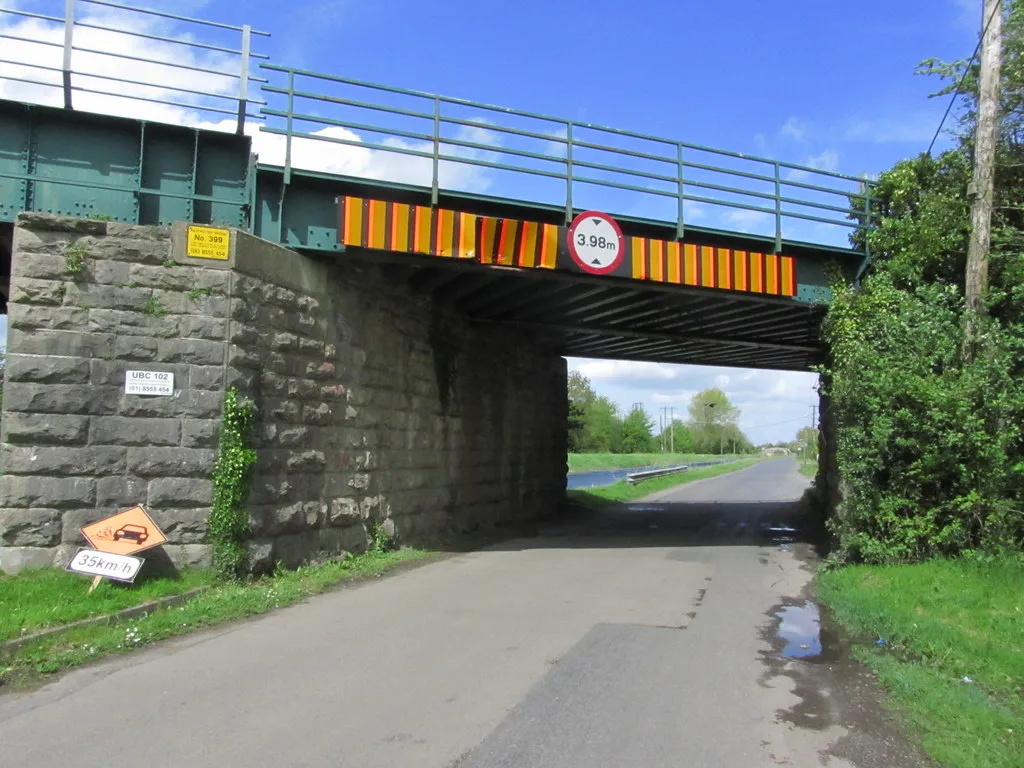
[596,425]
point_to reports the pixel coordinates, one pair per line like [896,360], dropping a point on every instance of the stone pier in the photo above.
[374,402]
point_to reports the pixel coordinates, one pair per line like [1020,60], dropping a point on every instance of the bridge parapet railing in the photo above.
[348,127]
[102,56]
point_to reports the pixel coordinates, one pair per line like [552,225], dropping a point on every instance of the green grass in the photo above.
[809,467]
[37,599]
[605,495]
[223,602]
[943,621]
[594,462]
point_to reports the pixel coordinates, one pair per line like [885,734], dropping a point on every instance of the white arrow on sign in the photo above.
[596,243]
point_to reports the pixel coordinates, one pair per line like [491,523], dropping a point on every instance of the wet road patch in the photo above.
[800,633]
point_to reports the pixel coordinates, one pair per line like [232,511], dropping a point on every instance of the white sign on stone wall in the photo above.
[149,383]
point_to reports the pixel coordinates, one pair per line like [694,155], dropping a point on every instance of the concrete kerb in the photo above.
[143,609]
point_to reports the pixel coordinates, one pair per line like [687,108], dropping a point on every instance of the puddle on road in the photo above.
[779,533]
[646,507]
[778,528]
[801,633]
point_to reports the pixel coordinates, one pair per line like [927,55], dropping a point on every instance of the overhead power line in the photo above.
[963,78]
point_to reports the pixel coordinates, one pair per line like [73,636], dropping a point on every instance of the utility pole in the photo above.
[668,423]
[981,189]
[814,426]
[672,428]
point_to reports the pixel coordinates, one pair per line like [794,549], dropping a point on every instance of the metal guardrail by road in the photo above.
[109,41]
[639,477]
[449,133]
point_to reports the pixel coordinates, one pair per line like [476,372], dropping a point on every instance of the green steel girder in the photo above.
[81,164]
[303,214]
[87,165]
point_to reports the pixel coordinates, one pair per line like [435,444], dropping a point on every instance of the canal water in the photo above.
[578,480]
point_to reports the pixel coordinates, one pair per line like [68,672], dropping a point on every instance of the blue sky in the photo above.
[820,83]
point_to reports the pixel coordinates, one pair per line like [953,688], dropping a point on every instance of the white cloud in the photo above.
[794,128]
[742,217]
[773,404]
[912,128]
[828,160]
[155,79]
[694,211]
[557,147]
[624,370]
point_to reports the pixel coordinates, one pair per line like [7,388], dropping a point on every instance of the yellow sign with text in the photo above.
[208,243]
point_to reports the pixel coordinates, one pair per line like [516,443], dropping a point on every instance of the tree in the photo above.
[682,437]
[929,444]
[603,431]
[638,432]
[712,407]
[713,423]
[806,442]
[581,397]
[580,390]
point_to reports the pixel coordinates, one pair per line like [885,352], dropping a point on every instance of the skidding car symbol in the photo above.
[136,533]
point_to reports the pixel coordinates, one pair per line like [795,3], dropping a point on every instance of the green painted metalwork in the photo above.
[424,125]
[233,51]
[15,154]
[87,165]
[74,164]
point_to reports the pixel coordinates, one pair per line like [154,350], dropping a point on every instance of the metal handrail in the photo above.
[232,49]
[580,158]
[421,124]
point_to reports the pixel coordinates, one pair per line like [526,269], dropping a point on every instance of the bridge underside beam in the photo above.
[621,320]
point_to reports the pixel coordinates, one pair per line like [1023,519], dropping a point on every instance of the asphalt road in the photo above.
[643,637]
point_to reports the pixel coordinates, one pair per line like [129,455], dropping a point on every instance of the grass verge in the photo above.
[809,468]
[953,656]
[605,495]
[30,664]
[39,599]
[595,462]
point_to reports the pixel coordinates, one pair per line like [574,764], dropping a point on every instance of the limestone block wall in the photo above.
[89,301]
[374,403]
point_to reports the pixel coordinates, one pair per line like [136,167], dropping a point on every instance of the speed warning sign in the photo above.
[595,242]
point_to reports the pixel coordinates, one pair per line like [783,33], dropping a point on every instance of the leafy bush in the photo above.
[232,475]
[929,448]
[929,440]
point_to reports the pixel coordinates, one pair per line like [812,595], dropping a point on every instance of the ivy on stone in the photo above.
[232,478]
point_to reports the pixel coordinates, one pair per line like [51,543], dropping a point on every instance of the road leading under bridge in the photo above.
[645,636]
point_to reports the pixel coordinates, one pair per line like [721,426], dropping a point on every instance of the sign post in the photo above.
[114,541]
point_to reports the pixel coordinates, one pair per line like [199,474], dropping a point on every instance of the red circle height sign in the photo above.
[596,243]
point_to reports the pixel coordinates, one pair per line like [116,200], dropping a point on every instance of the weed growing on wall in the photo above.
[74,259]
[380,540]
[232,477]
[154,307]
